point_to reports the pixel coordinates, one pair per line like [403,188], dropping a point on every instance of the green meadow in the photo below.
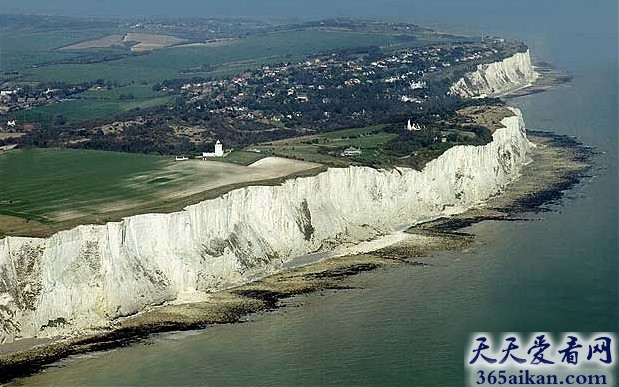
[42,183]
[46,190]
[241,54]
[84,108]
[325,148]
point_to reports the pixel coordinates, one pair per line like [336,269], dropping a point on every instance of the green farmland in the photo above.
[199,60]
[38,183]
[325,148]
[46,190]
[88,108]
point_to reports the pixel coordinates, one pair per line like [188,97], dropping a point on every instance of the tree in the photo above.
[58,120]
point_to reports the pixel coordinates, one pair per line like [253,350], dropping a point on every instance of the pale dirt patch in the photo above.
[7,147]
[210,175]
[487,116]
[104,42]
[211,43]
[149,42]
[66,215]
[144,42]
[115,206]
[6,136]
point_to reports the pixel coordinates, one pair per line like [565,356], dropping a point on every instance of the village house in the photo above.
[351,151]
[412,126]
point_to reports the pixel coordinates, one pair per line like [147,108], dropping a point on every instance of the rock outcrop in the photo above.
[85,277]
[497,78]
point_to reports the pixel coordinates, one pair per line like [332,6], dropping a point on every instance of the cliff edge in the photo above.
[497,78]
[83,278]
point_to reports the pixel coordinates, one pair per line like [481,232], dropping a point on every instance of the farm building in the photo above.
[351,151]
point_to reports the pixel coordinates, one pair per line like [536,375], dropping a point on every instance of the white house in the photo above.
[417,85]
[219,151]
[351,151]
[11,123]
[412,127]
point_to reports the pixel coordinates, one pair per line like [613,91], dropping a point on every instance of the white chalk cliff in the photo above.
[497,78]
[87,276]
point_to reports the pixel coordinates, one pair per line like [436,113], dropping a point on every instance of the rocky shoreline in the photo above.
[550,78]
[559,163]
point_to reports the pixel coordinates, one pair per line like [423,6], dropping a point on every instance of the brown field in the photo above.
[104,42]
[212,175]
[6,136]
[149,42]
[488,116]
[144,42]
[212,43]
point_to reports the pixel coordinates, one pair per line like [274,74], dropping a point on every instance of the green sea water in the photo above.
[408,326]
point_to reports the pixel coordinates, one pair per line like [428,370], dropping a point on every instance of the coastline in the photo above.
[83,280]
[539,184]
[559,163]
[549,78]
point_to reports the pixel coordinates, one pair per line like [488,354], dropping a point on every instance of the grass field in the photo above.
[325,148]
[250,51]
[26,45]
[40,183]
[94,104]
[79,110]
[43,190]
[243,157]
[90,106]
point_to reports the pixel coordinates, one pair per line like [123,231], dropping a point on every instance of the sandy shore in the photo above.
[559,163]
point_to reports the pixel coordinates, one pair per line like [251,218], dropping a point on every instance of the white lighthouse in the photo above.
[219,149]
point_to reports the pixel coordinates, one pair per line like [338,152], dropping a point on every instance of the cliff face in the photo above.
[84,277]
[497,78]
